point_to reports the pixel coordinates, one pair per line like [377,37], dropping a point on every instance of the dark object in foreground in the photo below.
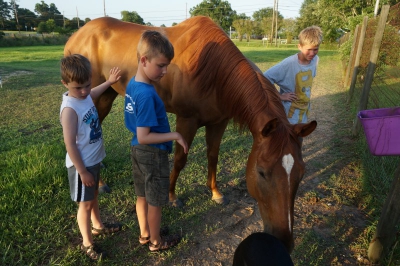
[261,249]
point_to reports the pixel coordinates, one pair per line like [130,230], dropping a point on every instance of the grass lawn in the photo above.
[38,219]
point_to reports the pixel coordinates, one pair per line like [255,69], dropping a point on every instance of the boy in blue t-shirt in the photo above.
[294,75]
[146,118]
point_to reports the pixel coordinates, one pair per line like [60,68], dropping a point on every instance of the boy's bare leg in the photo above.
[154,216]
[95,213]
[141,211]
[83,218]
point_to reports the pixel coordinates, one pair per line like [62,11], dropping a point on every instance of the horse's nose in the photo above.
[285,237]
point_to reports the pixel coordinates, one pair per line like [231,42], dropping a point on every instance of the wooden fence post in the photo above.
[390,217]
[357,59]
[371,66]
[346,78]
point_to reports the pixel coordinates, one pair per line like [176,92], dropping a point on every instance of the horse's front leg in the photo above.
[103,106]
[214,135]
[187,128]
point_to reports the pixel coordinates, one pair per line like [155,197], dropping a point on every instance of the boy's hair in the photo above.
[152,44]
[75,68]
[310,36]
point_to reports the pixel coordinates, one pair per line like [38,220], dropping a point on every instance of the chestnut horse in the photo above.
[209,82]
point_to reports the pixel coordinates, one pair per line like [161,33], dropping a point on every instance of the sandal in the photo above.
[93,252]
[108,229]
[143,240]
[165,243]
[104,189]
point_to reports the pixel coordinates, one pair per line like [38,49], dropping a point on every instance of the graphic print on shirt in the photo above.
[303,92]
[129,106]
[91,118]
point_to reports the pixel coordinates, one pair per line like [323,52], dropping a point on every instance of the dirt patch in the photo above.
[5,77]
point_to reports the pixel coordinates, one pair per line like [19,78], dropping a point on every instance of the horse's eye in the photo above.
[261,173]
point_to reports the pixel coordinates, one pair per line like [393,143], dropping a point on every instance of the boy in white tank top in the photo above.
[85,149]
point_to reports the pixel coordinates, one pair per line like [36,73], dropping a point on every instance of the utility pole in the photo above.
[376,8]
[104,6]
[272,26]
[77,17]
[276,23]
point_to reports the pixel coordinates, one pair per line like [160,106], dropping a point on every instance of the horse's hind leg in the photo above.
[187,128]
[214,135]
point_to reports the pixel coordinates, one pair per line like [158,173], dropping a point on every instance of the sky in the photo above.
[157,12]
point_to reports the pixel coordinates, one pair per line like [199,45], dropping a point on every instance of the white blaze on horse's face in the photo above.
[287,163]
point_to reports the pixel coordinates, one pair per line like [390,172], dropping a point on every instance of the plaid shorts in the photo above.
[151,174]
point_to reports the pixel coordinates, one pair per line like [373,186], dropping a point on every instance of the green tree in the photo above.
[240,16]
[75,23]
[289,29]
[46,12]
[240,26]
[42,27]
[263,21]
[219,11]
[14,7]
[5,13]
[248,28]
[259,15]
[133,17]
[27,18]
[50,25]
[335,16]
[53,10]
[42,9]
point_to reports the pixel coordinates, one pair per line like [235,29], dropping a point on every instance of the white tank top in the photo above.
[89,137]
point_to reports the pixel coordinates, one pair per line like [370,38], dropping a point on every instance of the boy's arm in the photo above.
[275,75]
[114,77]
[146,137]
[69,121]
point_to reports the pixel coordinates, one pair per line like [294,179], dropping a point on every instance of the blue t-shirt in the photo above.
[144,108]
[291,76]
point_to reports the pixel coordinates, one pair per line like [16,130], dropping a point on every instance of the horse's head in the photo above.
[274,171]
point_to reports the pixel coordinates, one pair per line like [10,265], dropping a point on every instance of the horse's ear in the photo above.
[303,130]
[270,127]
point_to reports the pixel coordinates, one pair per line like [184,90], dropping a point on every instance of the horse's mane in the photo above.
[218,65]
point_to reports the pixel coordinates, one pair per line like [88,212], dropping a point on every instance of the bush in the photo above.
[345,49]
[32,40]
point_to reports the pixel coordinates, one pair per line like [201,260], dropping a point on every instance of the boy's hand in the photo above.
[289,96]
[87,178]
[114,75]
[183,143]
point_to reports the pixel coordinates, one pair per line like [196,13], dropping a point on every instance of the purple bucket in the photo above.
[382,130]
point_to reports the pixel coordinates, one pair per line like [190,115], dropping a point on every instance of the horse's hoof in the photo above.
[222,200]
[176,203]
